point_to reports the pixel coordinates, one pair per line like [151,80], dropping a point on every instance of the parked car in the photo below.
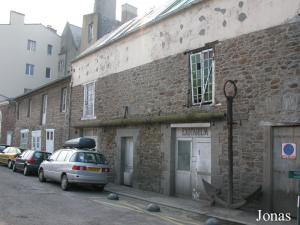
[76,165]
[29,161]
[8,155]
[2,147]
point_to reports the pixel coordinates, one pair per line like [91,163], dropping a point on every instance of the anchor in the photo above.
[213,193]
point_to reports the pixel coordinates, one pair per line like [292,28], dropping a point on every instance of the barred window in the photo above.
[89,99]
[202,76]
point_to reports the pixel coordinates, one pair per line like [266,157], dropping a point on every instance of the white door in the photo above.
[183,167]
[36,140]
[128,163]
[9,137]
[201,166]
[50,140]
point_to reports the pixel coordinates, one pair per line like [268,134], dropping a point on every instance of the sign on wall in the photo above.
[288,151]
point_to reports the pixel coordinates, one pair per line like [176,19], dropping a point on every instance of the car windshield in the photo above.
[89,157]
[6,150]
[2,147]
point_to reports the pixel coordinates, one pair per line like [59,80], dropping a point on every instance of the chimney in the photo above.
[106,8]
[16,18]
[128,12]
[49,27]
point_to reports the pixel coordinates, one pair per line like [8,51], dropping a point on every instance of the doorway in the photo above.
[36,140]
[9,137]
[284,189]
[183,167]
[127,160]
[50,140]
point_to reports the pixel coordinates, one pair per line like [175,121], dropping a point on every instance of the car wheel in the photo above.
[41,176]
[64,182]
[9,164]
[26,172]
[98,187]
[14,169]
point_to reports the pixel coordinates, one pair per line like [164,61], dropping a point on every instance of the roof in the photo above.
[44,86]
[76,33]
[153,16]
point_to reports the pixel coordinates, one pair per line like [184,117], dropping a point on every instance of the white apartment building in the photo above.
[29,55]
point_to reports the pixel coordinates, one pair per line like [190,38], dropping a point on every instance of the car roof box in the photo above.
[83,143]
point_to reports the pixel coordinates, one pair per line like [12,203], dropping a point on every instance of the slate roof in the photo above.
[76,33]
[153,16]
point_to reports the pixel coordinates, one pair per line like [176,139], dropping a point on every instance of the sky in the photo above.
[57,12]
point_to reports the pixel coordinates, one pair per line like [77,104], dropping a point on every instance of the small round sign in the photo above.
[288,149]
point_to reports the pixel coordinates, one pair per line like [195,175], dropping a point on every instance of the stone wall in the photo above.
[8,120]
[55,118]
[265,67]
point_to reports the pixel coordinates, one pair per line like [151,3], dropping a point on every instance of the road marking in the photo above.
[137,209]
[140,210]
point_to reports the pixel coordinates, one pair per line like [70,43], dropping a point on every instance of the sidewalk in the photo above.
[201,207]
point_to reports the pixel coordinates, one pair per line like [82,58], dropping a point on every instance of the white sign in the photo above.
[288,151]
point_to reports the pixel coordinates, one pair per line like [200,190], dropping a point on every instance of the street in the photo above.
[26,201]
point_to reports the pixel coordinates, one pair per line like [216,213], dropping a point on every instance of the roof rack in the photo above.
[80,143]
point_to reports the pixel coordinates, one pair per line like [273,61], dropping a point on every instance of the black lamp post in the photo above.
[230,91]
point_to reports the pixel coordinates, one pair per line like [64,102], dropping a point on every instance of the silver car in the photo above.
[70,166]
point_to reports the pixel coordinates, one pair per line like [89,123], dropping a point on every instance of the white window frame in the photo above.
[24,141]
[64,94]
[30,71]
[85,89]
[203,82]
[44,109]
[61,65]
[31,45]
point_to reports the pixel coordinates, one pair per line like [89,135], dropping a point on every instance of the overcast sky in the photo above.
[57,12]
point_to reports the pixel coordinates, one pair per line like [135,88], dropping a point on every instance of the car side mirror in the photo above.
[49,160]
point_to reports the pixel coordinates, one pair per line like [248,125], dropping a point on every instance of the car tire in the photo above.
[9,164]
[14,169]
[41,176]
[25,171]
[98,187]
[64,184]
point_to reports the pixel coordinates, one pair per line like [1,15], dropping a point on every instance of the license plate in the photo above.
[91,169]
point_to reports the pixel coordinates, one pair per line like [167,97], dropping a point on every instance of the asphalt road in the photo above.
[26,201]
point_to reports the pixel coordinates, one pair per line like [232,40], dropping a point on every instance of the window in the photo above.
[24,138]
[61,65]
[29,69]
[62,156]
[63,101]
[48,72]
[29,108]
[184,155]
[54,155]
[31,45]
[44,109]
[202,76]
[90,32]
[89,99]
[49,49]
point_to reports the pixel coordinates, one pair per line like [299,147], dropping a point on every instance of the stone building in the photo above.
[42,117]
[151,94]
[7,121]
[70,48]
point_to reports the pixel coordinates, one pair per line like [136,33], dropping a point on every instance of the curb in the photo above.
[184,209]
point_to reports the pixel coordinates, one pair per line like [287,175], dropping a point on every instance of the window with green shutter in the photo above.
[202,76]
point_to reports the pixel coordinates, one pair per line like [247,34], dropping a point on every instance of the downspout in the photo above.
[70,108]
